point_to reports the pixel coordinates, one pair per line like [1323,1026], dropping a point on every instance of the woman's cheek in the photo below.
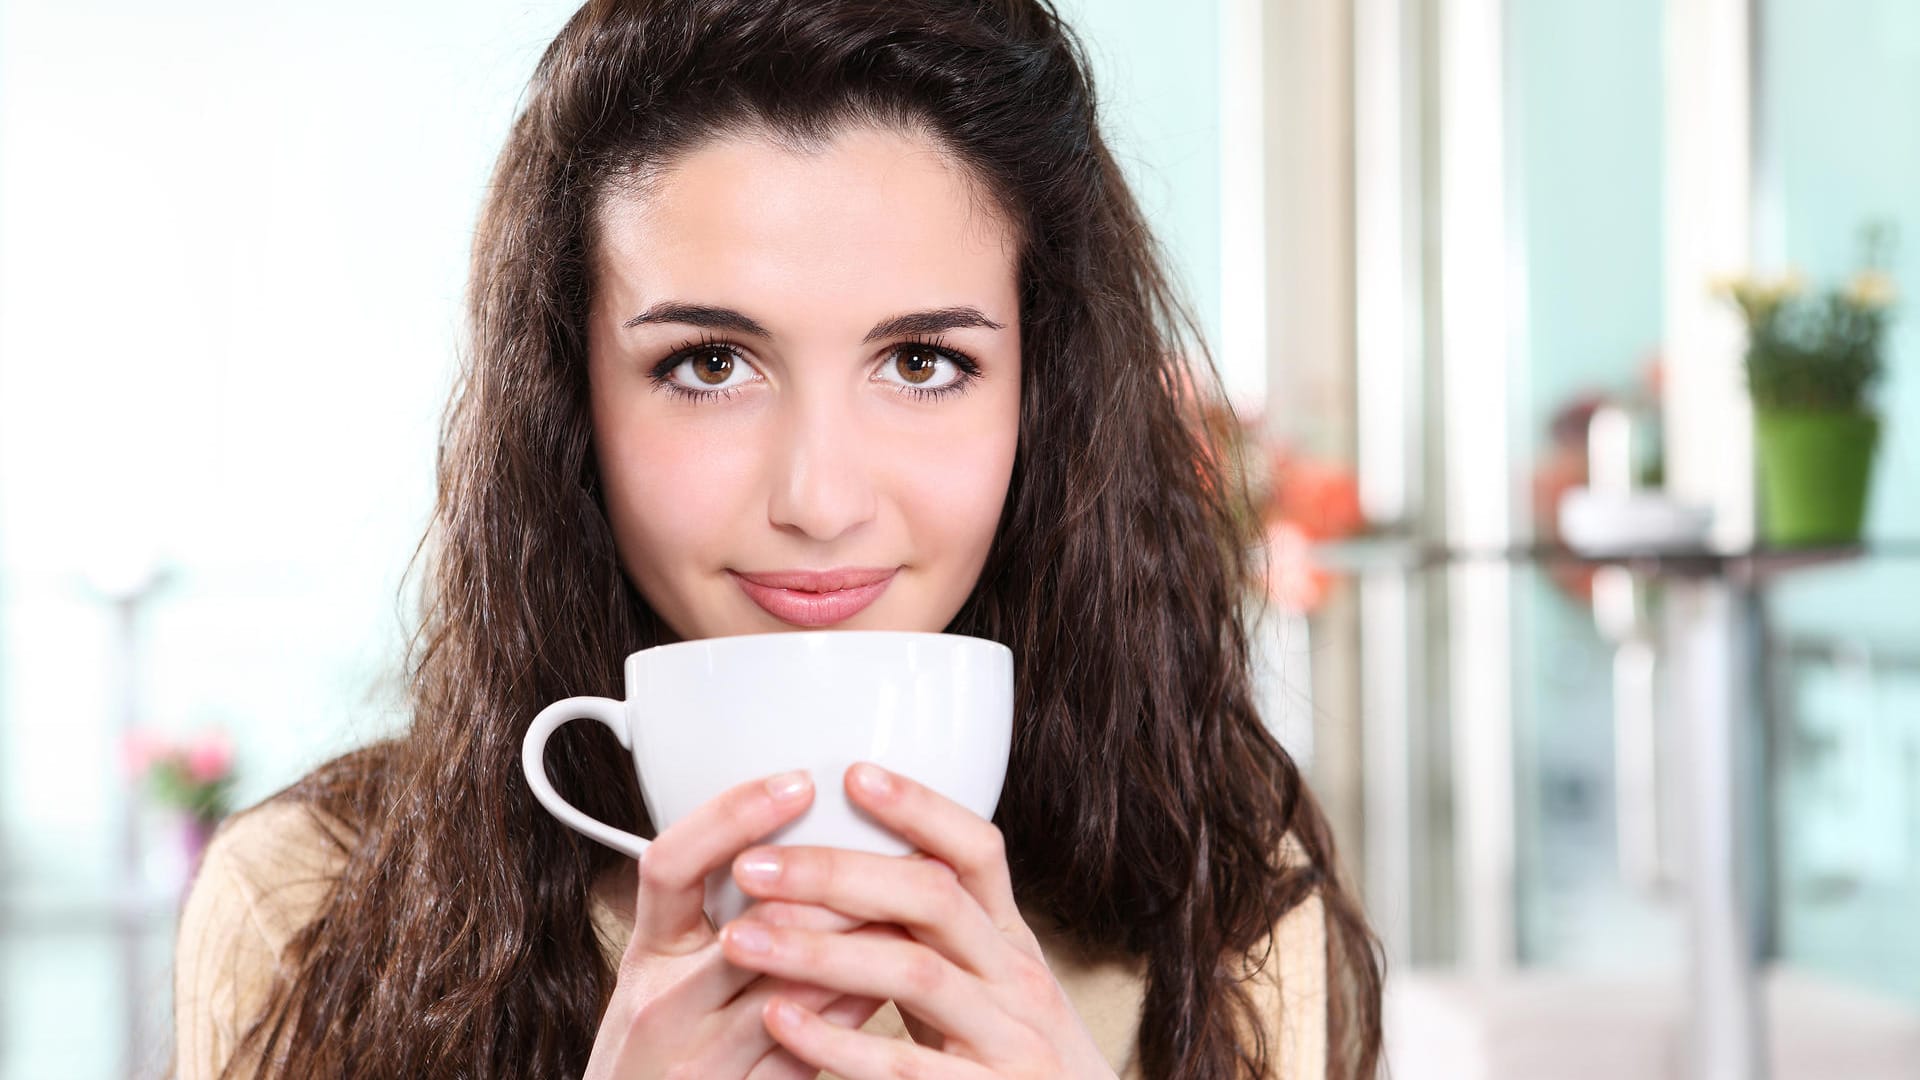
[958,497]
[678,492]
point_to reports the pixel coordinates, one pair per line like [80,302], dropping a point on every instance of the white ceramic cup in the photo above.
[703,716]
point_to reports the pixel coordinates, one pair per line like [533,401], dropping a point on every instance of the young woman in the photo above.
[792,315]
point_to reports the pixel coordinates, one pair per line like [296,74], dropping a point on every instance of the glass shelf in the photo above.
[1748,564]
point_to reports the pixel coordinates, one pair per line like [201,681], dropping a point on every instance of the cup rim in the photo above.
[956,640]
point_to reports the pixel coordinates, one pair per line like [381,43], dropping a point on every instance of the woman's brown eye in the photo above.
[916,365]
[712,368]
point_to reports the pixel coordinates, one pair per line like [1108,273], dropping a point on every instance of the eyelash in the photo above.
[662,375]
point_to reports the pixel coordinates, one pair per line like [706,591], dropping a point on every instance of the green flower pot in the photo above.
[1815,468]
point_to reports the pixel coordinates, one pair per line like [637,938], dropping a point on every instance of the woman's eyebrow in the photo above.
[719,318]
[930,322]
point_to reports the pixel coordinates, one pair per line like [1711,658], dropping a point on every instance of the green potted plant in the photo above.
[1812,363]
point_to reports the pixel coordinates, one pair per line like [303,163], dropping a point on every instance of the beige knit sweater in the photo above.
[269,869]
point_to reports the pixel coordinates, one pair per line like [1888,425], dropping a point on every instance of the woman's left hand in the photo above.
[970,978]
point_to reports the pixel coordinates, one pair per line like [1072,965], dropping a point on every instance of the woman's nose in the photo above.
[822,472]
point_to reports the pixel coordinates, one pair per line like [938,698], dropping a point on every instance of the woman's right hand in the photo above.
[678,1008]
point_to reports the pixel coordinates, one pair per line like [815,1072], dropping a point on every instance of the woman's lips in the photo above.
[814,597]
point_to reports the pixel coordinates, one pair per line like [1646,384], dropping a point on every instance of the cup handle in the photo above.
[533,751]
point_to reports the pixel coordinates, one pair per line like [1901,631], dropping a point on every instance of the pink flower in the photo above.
[141,750]
[209,758]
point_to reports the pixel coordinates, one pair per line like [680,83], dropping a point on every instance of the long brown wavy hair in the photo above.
[1146,803]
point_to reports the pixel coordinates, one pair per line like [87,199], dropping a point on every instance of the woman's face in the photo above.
[805,384]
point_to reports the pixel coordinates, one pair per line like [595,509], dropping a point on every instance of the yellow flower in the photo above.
[1757,297]
[1871,290]
[1727,285]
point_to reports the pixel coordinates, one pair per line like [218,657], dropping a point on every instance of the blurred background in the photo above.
[1620,729]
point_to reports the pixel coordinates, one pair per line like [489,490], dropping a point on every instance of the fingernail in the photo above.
[873,779]
[750,938]
[788,785]
[785,1013]
[762,867]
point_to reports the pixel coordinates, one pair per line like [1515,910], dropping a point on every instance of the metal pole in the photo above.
[126,714]
[1708,636]
[127,582]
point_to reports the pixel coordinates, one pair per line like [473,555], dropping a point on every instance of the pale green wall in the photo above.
[1840,144]
[1585,103]
[1156,72]
[1586,106]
